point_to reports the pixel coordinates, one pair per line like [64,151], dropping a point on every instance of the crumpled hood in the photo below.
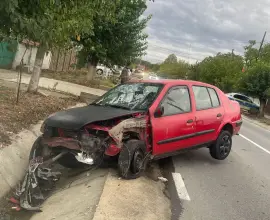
[76,118]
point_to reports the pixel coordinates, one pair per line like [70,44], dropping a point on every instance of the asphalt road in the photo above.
[237,188]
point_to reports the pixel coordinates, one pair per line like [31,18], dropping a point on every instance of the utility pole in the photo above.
[189,51]
[232,53]
[259,53]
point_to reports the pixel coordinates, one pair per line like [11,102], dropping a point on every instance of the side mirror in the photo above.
[159,112]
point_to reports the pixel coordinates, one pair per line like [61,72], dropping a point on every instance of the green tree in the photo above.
[172,58]
[116,42]
[50,22]
[193,72]
[222,70]
[256,83]
[174,70]
[251,53]
[155,67]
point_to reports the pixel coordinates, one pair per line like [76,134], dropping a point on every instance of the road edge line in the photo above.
[257,145]
[180,187]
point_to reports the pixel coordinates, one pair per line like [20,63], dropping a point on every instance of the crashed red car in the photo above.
[144,120]
[137,122]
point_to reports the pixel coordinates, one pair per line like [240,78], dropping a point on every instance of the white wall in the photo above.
[47,61]
[29,57]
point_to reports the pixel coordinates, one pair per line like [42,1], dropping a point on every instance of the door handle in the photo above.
[190,121]
[219,115]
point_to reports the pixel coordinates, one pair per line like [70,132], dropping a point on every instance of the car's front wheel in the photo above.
[222,146]
[132,160]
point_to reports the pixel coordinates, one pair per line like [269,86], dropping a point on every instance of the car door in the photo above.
[209,113]
[173,129]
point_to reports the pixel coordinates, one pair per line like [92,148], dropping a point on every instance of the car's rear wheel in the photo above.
[132,160]
[222,146]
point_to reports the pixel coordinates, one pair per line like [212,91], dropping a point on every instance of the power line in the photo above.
[182,54]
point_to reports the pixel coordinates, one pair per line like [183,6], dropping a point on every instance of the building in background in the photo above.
[27,50]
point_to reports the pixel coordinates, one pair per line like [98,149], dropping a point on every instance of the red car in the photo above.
[137,122]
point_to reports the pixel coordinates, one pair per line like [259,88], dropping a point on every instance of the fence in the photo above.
[7,54]
[63,60]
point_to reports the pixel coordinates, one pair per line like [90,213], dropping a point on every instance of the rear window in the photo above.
[214,97]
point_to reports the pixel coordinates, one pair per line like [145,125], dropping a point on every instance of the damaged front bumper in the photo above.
[29,194]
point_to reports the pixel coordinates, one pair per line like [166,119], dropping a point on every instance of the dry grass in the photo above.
[78,77]
[31,109]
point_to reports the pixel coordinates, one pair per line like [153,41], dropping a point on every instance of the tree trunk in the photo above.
[262,107]
[33,84]
[91,70]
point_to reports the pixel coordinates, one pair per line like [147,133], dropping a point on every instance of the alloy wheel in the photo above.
[225,146]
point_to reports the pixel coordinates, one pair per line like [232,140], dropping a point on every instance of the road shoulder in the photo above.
[256,122]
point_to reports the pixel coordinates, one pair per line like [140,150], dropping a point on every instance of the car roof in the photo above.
[172,82]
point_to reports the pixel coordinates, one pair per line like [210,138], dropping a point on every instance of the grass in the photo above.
[78,77]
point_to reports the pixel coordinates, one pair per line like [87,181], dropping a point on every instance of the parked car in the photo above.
[103,71]
[153,76]
[136,122]
[245,102]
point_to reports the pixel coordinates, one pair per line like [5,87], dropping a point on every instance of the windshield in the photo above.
[131,96]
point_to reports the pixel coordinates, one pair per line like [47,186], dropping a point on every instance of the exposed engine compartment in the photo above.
[87,145]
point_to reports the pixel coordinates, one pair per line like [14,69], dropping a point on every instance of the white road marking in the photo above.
[257,145]
[180,187]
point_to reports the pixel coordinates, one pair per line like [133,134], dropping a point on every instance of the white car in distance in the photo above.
[153,76]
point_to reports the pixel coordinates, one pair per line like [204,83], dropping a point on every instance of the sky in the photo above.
[195,29]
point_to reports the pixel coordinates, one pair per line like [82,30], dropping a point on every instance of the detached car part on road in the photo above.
[134,122]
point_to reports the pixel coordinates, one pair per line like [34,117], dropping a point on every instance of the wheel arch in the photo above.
[226,127]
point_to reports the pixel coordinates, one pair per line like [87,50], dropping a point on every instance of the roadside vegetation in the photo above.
[79,77]
[30,109]
[248,74]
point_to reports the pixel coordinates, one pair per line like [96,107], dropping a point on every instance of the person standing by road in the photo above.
[125,75]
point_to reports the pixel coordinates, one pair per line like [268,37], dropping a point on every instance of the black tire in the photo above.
[99,72]
[222,146]
[132,159]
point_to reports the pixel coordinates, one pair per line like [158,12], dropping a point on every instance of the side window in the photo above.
[202,97]
[238,97]
[244,98]
[176,101]
[214,97]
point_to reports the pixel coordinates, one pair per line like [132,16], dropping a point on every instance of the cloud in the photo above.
[195,29]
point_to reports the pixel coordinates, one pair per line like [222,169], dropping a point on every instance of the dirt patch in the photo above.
[79,77]
[31,109]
